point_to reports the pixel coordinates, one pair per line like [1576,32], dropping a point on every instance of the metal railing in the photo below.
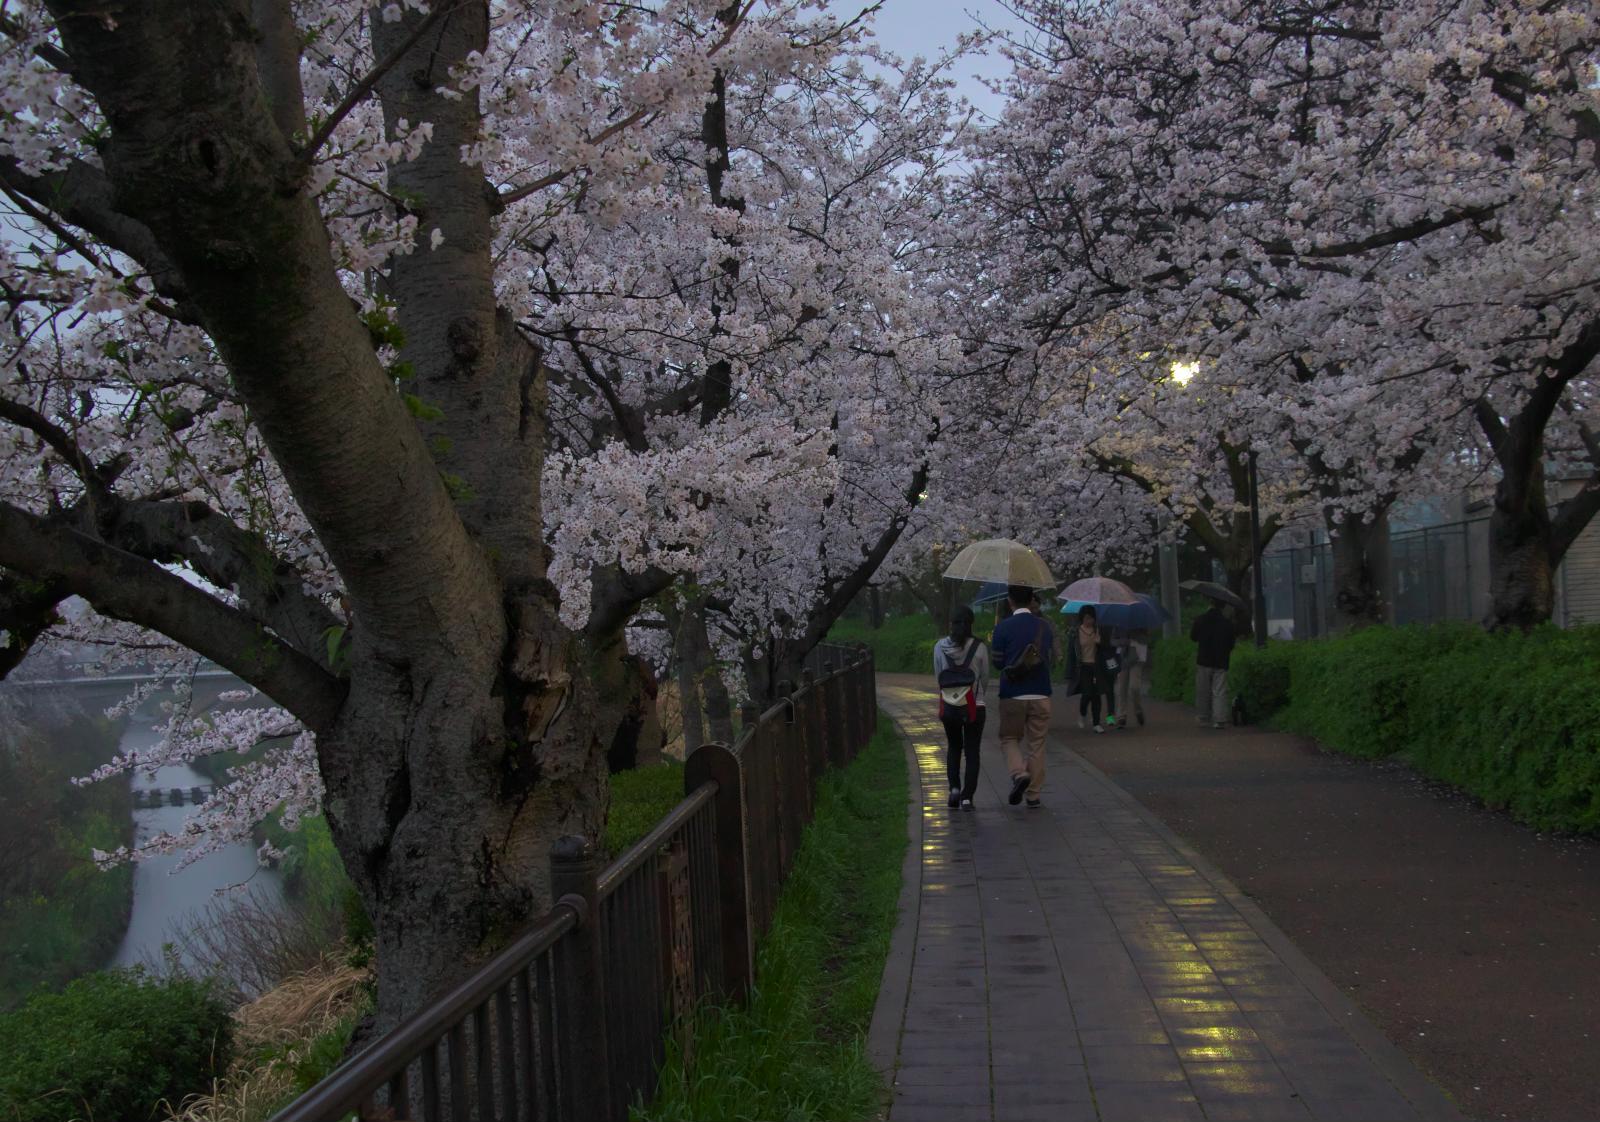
[571,1020]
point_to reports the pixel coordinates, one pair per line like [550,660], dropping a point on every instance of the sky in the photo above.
[925,27]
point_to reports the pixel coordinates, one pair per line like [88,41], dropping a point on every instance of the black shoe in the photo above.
[966,804]
[1019,784]
[955,800]
[1034,804]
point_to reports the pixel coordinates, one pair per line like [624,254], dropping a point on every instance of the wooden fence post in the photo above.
[717,762]
[585,1074]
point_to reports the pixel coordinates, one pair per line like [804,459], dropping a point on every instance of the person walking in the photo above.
[1132,654]
[1213,635]
[1023,653]
[1088,668]
[961,668]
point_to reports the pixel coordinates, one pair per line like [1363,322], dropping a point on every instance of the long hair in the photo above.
[961,624]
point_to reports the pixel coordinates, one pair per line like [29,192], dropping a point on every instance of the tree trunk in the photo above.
[1521,572]
[445,790]
[1360,571]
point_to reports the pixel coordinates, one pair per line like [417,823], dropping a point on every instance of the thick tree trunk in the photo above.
[1360,571]
[1521,572]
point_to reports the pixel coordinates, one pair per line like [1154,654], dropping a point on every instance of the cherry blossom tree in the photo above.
[1374,217]
[429,341]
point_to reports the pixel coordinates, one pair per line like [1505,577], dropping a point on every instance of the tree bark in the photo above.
[1360,571]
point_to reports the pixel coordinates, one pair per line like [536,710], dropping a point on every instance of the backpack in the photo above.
[957,683]
[1026,662]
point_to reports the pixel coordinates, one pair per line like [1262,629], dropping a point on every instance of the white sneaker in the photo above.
[1082,724]
[1098,730]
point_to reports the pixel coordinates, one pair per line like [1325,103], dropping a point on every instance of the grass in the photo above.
[903,645]
[797,1050]
[639,799]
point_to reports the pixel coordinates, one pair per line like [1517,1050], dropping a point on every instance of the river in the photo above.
[164,901]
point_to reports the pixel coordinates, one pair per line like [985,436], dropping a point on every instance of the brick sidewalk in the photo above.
[1079,962]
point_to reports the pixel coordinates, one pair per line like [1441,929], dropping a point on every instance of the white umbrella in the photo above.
[1001,560]
[1099,590]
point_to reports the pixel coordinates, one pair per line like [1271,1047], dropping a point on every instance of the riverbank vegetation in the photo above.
[900,645]
[111,1045]
[60,916]
[1511,718]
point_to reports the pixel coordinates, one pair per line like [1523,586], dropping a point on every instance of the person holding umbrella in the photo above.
[1090,669]
[1213,636]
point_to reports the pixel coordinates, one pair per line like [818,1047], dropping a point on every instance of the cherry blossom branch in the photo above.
[127,587]
[358,92]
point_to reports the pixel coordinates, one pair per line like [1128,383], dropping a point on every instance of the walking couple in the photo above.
[1024,649]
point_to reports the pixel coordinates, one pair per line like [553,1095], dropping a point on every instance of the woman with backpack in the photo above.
[961,667]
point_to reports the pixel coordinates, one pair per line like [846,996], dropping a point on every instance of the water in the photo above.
[165,902]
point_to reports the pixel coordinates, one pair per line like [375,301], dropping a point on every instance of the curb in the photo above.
[888,1013]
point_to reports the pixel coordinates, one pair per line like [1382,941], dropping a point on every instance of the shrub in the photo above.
[112,1045]
[1512,719]
[1172,669]
[903,645]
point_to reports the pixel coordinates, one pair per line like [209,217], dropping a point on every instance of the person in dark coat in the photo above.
[1213,635]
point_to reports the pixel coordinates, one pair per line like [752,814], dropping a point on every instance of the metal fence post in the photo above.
[585,1082]
[715,762]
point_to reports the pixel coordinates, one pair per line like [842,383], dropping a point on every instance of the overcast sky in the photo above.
[925,27]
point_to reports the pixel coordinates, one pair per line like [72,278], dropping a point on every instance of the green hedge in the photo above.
[1513,719]
[113,1045]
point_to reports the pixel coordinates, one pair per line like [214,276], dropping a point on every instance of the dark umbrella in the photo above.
[1147,613]
[1214,591]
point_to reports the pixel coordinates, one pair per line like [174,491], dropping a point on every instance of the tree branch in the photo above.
[27,610]
[126,587]
[358,92]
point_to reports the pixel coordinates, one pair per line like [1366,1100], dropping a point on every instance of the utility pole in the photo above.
[1258,608]
[1167,561]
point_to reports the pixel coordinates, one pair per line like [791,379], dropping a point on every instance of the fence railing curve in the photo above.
[571,1020]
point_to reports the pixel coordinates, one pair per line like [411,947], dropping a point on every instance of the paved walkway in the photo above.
[1080,962]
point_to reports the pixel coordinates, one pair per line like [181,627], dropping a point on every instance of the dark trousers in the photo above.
[1092,684]
[964,737]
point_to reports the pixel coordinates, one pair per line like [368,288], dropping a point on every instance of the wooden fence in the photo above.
[571,1021]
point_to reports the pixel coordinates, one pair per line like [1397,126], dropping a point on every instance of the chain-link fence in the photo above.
[1436,573]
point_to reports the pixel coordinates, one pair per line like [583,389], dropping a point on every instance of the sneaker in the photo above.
[1098,730]
[1111,722]
[955,798]
[1019,784]
[1034,804]
[1219,725]
[1081,723]
[966,804]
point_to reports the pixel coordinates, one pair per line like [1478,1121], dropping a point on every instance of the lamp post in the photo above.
[1258,600]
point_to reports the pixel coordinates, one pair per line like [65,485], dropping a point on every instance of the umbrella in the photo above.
[1002,561]
[1099,590]
[1147,613]
[992,592]
[1214,591]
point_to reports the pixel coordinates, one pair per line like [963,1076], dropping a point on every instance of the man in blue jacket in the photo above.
[1023,651]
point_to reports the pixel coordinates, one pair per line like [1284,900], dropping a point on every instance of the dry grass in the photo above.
[274,1035]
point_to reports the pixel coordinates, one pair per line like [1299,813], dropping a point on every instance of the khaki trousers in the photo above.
[1023,728]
